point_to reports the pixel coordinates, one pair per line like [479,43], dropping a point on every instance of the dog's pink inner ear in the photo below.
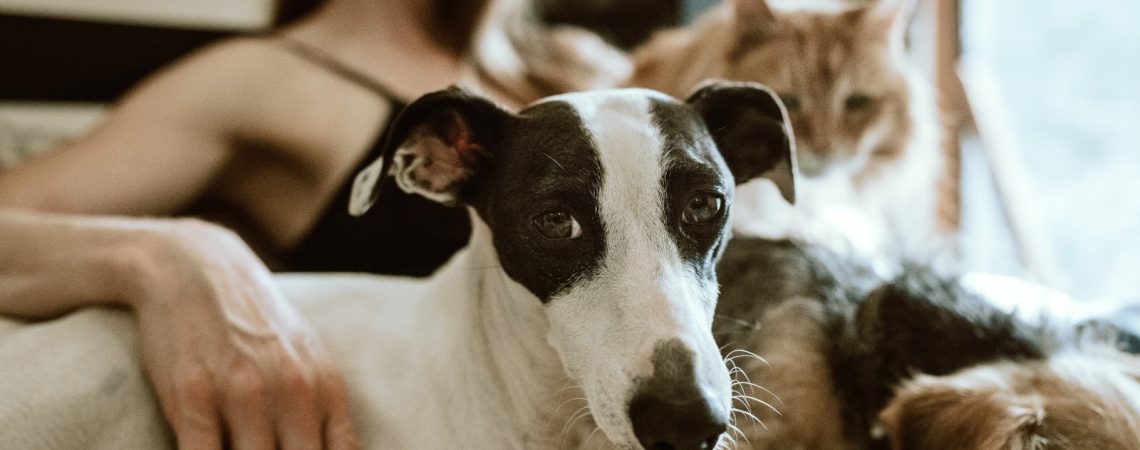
[459,136]
[437,157]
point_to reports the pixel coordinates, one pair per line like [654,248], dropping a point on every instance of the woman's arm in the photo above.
[49,266]
[227,354]
[232,363]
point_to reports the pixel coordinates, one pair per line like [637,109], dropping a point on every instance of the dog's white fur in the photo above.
[644,294]
[468,359]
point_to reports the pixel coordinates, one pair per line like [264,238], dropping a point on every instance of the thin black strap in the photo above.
[323,59]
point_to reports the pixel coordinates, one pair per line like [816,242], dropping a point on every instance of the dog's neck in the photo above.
[488,334]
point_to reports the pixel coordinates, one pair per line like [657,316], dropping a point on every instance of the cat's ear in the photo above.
[884,18]
[435,147]
[752,17]
[750,128]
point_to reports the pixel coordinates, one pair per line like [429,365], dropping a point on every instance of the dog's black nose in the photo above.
[668,424]
[668,410]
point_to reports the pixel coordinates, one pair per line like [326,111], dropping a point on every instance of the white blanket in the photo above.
[75,382]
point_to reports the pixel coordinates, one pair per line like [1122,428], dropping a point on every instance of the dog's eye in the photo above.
[857,102]
[557,224]
[702,208]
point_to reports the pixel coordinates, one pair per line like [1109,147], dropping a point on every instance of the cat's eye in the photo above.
[558,225]
[791,102]
[703,208]
[856,102]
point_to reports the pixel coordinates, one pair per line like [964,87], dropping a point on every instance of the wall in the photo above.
[201,14]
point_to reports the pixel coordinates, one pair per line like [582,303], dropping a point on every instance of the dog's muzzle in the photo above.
[669,411]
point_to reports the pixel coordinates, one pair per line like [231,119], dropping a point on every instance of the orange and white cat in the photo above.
[865,123]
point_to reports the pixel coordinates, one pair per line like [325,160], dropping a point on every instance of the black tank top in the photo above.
[402,234]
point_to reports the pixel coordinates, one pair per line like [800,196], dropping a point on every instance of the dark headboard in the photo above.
[54,59]
[72,60]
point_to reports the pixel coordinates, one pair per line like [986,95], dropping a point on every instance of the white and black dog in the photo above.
[598,219]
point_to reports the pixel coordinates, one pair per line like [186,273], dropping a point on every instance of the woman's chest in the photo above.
[286,171]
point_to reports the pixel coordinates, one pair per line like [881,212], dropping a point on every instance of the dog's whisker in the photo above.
[564,403]
[733,368]
[753,417]
[578,415]
[742,435]
[754,387]
[735,360]
[749,353]
[736,430]
[750,324]
[739,385]
[737,398]
[739,350]
[747,397]
[591,436]
[733,412]
[736,385]
[582,410]
[728,442]
[566,432]
[741,353]
[762,402]
[730,360]
[567,388]
[747,409]
[547,155]
[747,381]
[733,429]
[737,425]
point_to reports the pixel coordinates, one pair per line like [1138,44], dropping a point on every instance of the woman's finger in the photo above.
[247,413]
[298,409]
[192,409]
[338,430]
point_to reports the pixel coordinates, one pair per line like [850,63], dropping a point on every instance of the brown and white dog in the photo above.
[922,361]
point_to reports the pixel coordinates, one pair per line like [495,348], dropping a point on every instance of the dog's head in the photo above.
[989,381]
[1067,402]
[611,208]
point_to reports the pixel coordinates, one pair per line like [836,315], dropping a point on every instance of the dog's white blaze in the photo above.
[607,327]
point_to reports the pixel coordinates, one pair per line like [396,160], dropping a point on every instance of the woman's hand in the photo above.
[233,364]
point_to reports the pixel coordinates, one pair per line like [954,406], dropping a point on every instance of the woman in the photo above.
[260,134]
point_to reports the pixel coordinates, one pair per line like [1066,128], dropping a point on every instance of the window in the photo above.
[1059,82]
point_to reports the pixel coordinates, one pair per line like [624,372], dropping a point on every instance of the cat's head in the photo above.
[841,73]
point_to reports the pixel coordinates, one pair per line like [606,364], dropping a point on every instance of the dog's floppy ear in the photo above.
[434,148]
[936,413]
[750,127]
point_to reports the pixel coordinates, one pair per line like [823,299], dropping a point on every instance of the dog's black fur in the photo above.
[882,332]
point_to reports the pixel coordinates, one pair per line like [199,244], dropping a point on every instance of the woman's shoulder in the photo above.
[251,85]
[218,81]
[282,67]
[243,64]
